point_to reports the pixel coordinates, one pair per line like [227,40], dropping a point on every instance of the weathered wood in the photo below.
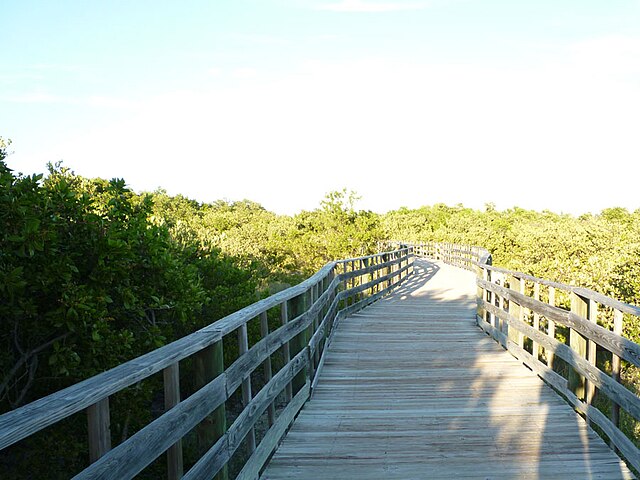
[31,418]
[297,344]
[264,331]
[577,383]
[272,438]
[551,325]
[582,292]
[171,374]
[23,422]
[515,309]
[435,399]
[214,460]
[623,444]
[243,347]
[286,352]
[615,366]
[208,364]
[129,458]
[535,349]
[99,424]
[607,301]
[623,347]
[592,312]
[583,368]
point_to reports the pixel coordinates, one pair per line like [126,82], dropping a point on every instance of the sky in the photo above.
[534,104]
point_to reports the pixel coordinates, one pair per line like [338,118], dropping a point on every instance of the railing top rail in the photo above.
[580,291]
[368,257]
[484,256]
[30,418]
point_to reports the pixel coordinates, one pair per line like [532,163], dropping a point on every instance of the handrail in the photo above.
[308,314]
[525,314]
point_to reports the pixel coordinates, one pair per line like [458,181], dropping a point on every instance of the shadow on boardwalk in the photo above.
[413,389]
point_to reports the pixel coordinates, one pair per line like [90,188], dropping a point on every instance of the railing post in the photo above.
[286,352]
[99,423]
[615,366]
[551,326]
[591,350]
[516,284]
[482,294]
[536,321]
[578,343]
[297,308]
[504,326]
[264,331]
[209,363]
[247,395]
[171,376]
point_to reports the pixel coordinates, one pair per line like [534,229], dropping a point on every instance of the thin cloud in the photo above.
[369,6]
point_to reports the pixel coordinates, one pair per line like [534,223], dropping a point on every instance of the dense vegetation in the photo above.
[93,274]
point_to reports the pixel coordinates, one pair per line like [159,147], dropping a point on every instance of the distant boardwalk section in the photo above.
[411,388]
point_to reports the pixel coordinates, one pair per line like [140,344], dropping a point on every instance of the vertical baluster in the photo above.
[208,364]
[591,350]
[516,284]
[297,307]
[315,294]
[551,326]
[615,366]
[243,346]
[286,352]
[536,320]
[264,331]
[99,423]
[504,326]
[578,343]
[171,376]
[521,311]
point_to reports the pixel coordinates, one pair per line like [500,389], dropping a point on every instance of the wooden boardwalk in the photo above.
[413,389]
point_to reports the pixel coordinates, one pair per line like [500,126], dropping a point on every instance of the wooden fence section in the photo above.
[570,336]
[413,389]
[307,315]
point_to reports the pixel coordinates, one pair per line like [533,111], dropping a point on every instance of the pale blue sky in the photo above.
[281,101]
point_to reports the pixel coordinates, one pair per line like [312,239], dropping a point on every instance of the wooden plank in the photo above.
[583,292]
[272,438]
[623,347]
[218,456]
[618,439]
[434,399]
[129,458]
[614,390]
[31,418]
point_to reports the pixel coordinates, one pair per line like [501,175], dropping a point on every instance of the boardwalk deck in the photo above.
[413,389]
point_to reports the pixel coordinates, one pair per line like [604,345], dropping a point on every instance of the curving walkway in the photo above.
[413,389]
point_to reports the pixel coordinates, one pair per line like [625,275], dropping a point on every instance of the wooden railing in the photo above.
[570,336]
[464,256]
[305,314]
